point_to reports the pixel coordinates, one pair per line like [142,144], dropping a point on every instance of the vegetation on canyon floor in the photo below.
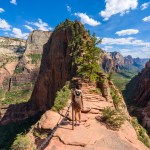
[122,77]
[17,96]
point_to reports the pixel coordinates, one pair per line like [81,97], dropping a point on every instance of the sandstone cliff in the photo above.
[20,60]
[11,49]
[56,66]
[28,67]
[138,93]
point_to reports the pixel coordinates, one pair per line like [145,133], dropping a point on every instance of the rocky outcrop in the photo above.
[28,67]
[36,41]
[118,59]
[138,92]
[142,95]
[107,62]
[128,60]
[56,66]
[20,65]
[20,73]
[11,49]
[112,61]
[11,45]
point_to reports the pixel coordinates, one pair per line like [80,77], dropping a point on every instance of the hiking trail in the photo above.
[92,134]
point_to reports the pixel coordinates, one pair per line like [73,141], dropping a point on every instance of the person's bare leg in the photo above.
[76,117]
[79,113]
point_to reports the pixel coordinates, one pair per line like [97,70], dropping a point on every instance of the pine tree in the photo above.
[89,61]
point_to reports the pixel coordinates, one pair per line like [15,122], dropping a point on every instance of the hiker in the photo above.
[77,102]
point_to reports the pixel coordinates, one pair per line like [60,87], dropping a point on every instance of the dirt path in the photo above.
[92,134]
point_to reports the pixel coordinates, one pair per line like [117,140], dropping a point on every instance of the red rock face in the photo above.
[142,96]
[55,70]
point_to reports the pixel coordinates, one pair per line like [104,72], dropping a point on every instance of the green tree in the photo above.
[84,51]
[89,61]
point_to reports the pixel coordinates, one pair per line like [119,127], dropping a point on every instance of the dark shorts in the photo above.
[77,107]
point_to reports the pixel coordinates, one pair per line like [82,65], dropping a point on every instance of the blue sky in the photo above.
[124,25]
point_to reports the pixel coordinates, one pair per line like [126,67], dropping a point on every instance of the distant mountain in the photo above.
[20,62]
[114,61]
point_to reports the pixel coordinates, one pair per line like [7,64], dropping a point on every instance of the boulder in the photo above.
[49,120]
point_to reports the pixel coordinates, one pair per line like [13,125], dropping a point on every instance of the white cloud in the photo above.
[125,41]
[146,19]
[136,52]
[68,8]
[85,19]
[127,32]
[13,2]
[108,48]
[2,10]
[145,6]
[18,33]
[29,27]
[118,7]
[4,25]
[41,25]
[127,46]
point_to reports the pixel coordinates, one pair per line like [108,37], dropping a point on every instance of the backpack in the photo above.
[77,98]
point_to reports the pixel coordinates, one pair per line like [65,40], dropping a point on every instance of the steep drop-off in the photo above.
[137,93]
